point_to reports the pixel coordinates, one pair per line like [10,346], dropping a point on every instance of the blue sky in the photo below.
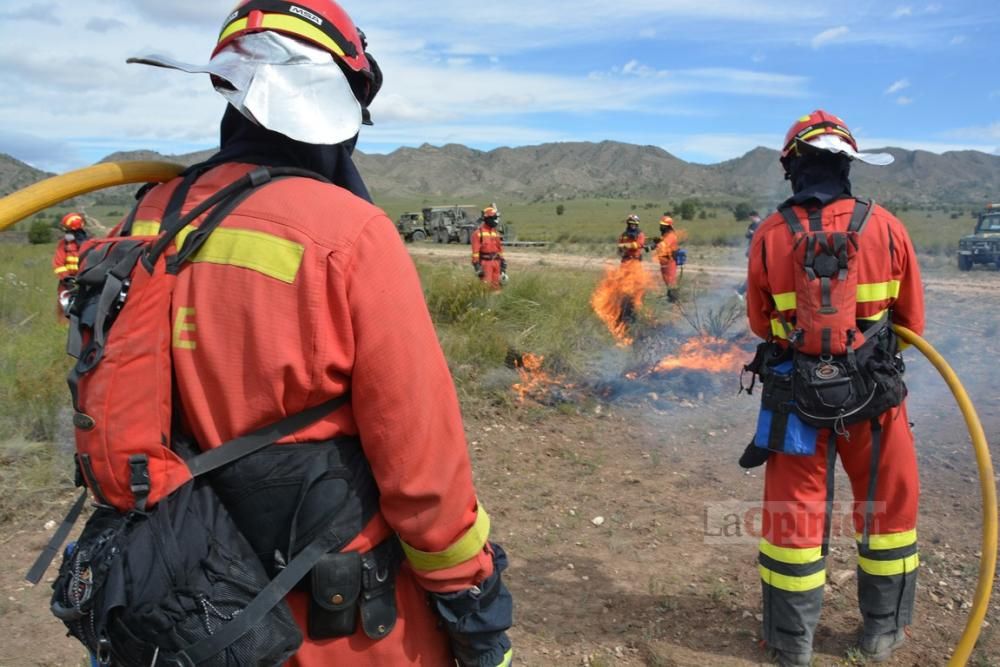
[706,80]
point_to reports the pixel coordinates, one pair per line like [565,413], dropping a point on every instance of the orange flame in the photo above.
[713,355]
[534,380]
[621,290]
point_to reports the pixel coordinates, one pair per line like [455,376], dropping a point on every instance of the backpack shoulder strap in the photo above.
[792,220]
[862,214]
[247,444]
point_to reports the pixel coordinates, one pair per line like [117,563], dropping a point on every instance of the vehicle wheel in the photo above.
[419,235]
[964,263]
[464,237]
[439,236]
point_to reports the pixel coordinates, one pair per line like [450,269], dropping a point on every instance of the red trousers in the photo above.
[668,270]
[491,272]
[792,558]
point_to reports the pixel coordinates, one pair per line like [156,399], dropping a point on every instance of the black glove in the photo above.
[479,269]
[503,265]
[477,619]
[754,456]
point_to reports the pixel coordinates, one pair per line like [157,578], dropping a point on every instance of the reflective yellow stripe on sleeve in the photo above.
[466,548]
[61,269]
[889,568]
[890,541]
[145,228]
[778,329]
[793,584]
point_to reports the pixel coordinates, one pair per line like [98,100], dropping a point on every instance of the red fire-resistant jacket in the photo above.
[888,274]
[631,248]
[303,293]
[486,241]
[66,261]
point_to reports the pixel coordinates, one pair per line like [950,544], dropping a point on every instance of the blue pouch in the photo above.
[792,436]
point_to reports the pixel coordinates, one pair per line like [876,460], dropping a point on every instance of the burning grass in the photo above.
[617,301]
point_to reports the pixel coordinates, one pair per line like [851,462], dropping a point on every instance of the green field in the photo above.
[591,222]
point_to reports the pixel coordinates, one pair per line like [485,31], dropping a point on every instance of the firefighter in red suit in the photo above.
[666,254]
[66,261]
[631,243]
[817,157]
[304,293]
[487,250]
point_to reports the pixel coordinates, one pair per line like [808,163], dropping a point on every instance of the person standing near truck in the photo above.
[487,250]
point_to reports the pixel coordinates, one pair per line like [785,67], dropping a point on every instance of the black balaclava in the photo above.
[819,175]
[491,221]
[242,140]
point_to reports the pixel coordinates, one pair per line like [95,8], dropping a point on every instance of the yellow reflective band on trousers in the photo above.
[890,541]
[793,584]
[466,548]
[267,254]
[508,659]
[785,301]
[790,555]
[889,568]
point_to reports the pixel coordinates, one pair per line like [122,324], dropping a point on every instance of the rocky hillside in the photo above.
[610,169]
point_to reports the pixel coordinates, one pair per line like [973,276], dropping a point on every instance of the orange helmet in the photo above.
[826,132]
[666,221]
[72,222]
[322,23]
[490,212]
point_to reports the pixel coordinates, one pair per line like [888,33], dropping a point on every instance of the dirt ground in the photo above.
[606,511]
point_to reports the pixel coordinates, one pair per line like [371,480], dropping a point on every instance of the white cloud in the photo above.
[932,8]
[38,12]
[830,36]
[902,11]
[989,132]
[903,100]
[897,86]
[958,39]
[103,25]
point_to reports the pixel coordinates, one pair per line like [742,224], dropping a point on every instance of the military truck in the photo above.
[411,227]
[451,224]
[983,245]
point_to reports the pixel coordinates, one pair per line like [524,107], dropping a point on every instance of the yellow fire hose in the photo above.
[49,192]
[988,562]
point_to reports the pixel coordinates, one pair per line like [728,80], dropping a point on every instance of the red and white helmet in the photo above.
[632,219]
[72,222]
[824,131]
[322,23]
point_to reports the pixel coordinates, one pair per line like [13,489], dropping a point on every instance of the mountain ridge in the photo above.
[571,170]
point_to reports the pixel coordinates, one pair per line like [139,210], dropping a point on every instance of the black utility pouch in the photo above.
[334,590]
[378,588]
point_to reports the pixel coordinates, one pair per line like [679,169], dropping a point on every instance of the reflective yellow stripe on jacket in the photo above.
[266,254]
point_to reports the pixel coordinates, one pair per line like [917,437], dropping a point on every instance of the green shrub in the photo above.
[40,232]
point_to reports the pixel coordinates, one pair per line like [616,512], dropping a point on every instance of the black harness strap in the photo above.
[816,220]
[52,548]
[792,220]
[872,481]
[861,215]
[831,469]
[245,445]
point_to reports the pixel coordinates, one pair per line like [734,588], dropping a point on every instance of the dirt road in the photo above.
[725,263]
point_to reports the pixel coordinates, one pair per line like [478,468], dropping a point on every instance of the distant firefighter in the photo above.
[487,250]
[667,254]
[631,242]
[66,261]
